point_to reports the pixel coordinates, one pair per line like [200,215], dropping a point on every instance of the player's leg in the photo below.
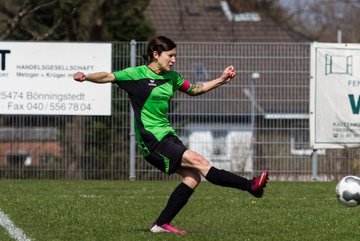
[167,158]
[177,200]
[224,178]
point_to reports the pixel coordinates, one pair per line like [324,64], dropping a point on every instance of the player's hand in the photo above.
[228,74]
[79,76]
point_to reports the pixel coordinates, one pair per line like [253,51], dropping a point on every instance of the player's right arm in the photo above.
[97,77]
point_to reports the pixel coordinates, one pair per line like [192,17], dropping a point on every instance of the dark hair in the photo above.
[158,44]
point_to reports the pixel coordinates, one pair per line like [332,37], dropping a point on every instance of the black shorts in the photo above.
[167,155]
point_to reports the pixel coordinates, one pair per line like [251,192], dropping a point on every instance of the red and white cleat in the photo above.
[259,183]
[166,228]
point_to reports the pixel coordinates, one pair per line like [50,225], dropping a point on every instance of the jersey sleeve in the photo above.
[121,75]
[181,84]
[130,73]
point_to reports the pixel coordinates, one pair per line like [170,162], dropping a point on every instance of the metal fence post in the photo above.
[132,129]
[314,158]
[254,77]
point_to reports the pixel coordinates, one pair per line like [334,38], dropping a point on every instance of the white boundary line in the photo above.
[14,231]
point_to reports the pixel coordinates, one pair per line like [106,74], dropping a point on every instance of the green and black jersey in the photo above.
[150,95]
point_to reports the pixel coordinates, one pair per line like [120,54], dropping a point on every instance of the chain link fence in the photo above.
[259,120]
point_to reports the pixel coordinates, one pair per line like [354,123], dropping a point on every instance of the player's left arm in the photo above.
[227,75]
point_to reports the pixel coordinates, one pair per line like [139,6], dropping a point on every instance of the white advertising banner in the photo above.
[335,95]
[36,78]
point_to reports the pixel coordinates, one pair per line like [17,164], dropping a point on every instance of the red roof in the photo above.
[216,21]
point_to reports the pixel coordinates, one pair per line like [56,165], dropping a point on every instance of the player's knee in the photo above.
[196,161]
[196,177]
[193,179]
[202,164]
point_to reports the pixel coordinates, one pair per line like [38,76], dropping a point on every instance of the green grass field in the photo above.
[123,210]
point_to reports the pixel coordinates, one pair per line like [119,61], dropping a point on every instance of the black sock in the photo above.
[176,202]
[228,179]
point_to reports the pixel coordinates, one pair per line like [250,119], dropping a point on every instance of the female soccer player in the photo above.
[150,88]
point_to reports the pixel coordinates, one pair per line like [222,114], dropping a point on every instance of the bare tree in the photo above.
[73,20]
[36,20]
[323,19]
